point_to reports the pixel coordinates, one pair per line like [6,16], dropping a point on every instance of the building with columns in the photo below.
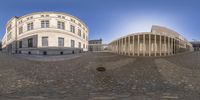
[160,41]
[45,33]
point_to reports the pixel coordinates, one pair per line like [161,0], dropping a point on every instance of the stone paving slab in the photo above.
[126,78]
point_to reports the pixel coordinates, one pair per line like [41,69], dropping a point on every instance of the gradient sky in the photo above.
[111,19]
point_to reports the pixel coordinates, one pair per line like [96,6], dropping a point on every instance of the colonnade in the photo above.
[145,45]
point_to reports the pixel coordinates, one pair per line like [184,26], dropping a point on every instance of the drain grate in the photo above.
[101,69]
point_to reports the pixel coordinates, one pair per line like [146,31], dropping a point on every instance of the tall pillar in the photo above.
[171,46]
[129,45]
[155,46]
[133,48]
[149,44]
[125,46]
[165,45]
[174,46]
[168,47]
[160,45]
[143,48]
[120,45]
[138,45]
[117,47]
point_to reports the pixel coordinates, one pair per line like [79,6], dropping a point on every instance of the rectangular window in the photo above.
[72,28]
[30,42]
[79,44]
[30,26]
[83,35]
[44,41]
[60,25]
[9,36]
[20,44]
[63,17]
[72,43]
[20,30]
[83,45]
[73,20]
[79,32]
[79,24]
[9,28]
[86,38]
[61,42]
[45,24]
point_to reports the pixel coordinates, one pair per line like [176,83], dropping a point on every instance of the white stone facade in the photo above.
[61,32]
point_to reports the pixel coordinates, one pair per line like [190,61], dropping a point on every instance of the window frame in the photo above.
[30,26]
[72,43]
[45,43]
[61,25]
[79,32]
[63,42]
[30,42]
[20,30]
[72,28]
[45,23]
[20,44]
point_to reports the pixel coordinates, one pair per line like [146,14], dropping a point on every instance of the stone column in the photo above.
[143,48]
[120,46]
[149,44]
[165,45]
[138,45]
[125,46]
[171,45]
[175,46]
[168,47]
[155,46]
[117,47]
[160,45]
[129,43]
[133,48]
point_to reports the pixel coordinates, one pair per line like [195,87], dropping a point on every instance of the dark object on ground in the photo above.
[101,69]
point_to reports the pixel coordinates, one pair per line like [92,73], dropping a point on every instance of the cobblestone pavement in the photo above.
[126,78]
[47,58]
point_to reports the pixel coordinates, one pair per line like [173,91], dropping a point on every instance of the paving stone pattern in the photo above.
[126,78]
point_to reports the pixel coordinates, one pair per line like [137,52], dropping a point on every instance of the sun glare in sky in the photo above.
[141,23]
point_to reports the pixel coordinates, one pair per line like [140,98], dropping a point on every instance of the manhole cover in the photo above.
[101,69]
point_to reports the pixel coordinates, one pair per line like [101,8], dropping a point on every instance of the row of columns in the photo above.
[128,46]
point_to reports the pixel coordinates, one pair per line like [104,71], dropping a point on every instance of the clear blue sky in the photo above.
[110,19]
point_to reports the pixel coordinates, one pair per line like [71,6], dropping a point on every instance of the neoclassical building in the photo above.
[45,33]
[160,41]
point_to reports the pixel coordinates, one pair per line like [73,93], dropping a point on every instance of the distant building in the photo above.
[196,45]
[95,45]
